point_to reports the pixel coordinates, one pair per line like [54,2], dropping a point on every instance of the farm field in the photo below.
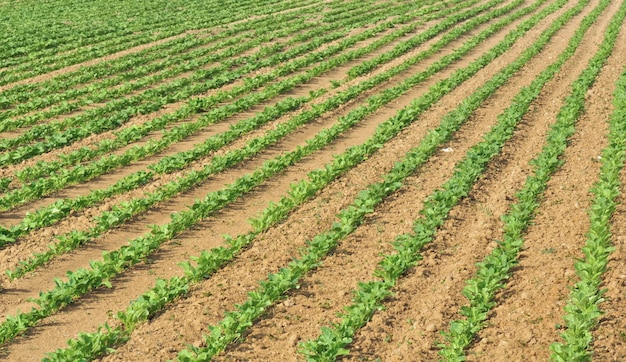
[301,180]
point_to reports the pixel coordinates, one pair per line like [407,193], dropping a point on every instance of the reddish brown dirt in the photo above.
[521,326]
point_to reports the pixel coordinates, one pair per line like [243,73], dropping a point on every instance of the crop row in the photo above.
[129,209]
[253,32]
[83,280]
[57,210]
[171,27]
[162,292]
[82,173]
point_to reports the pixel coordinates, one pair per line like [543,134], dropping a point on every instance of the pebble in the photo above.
[526,336]
[293,340]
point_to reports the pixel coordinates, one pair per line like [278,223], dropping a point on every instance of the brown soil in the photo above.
[521,326]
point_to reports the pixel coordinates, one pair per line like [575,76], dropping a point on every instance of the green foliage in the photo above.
[114,262]
[303,51]
[583,308]
[159,97]
[436,207]
[232,327]
[495,268]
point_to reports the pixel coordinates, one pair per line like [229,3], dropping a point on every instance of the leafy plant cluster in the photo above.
[294,27]
[58,210]
[64,88]
[122,138]
[582,310]
[178,59]
[495,268]
[178,161]
[235,323]
[82,280]
[368,298]
[116,113]
[115,39]
[83,173]
[128,209]
[84,154]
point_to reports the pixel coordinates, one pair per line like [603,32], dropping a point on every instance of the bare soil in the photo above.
[528,315]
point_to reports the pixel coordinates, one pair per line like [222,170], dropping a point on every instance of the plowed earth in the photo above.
[529,309]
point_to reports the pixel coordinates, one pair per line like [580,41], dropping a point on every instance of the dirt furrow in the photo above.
[160,214]
[15,297]
[214,297]
[523,324]
[39,241]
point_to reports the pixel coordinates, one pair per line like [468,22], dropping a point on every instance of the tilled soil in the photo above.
[528,315]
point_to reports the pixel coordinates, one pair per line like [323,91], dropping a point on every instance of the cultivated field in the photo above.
[293,180]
